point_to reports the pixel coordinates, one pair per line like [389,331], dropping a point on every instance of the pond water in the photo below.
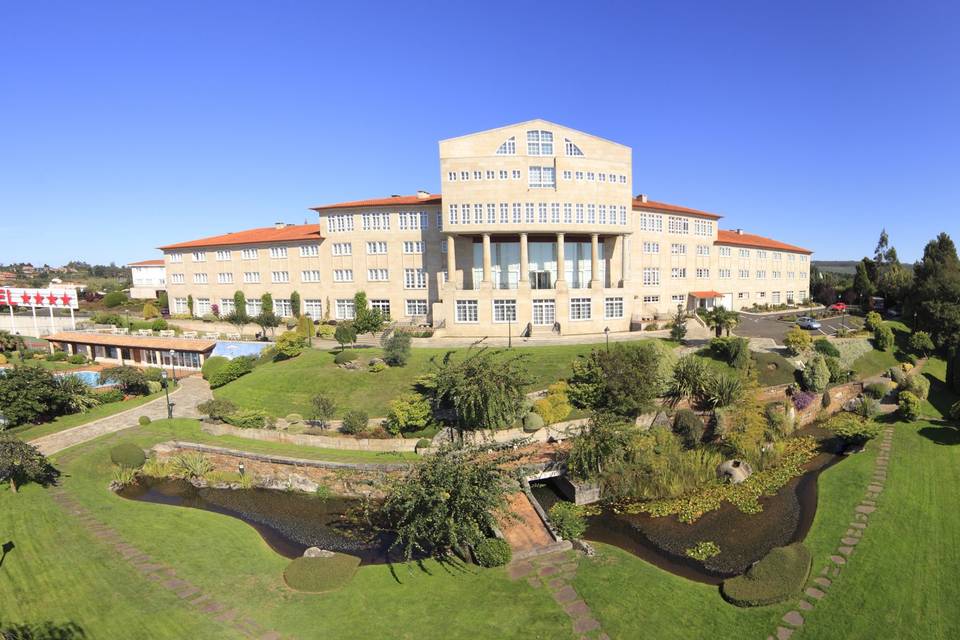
[743,538]
[288,521]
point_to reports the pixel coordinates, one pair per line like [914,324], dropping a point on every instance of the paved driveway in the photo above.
[769,327]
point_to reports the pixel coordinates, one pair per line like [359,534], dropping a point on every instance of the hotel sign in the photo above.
[42,298]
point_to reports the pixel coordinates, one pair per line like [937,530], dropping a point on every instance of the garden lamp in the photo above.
[606,332]
[166,391]
[241,468]
[173,365]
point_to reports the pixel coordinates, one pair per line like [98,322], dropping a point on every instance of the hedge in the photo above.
[780,575]
[231,371]
[127,455]
[492,552]
[317,575]
[212,365]
[249,419]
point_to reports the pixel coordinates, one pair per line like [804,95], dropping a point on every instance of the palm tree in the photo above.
[77,394]
[720,320]
[731,320]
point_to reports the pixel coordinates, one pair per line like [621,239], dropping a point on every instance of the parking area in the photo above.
[752,326]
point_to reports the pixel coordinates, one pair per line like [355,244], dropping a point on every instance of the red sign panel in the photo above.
[46,298]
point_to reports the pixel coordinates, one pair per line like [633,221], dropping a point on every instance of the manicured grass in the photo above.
[286,387]
[876,362]
[29,432]
[781,371]
[63,365]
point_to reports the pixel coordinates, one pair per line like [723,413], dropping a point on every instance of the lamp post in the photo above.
[241,468]
[166,391]
[606,332]
[173,365]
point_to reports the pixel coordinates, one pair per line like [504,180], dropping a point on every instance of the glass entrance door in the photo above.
[544,312]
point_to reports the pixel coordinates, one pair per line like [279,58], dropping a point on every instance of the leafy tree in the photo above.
[295,304]
[604,441]
[355,422]
[921,343]
[190,304]
[816,374]
[345,334]
[267,320]
[883,337]
[323,408]
[238,318]
[290,344]
[266,303]
[797,341]
[305,328]
[453,499]
[21,462]
[30,394]
[366,320]
[934,300]
[396,347]
[862,283]
[872,320]
[678,326]
[150,311]
[239,301]
[408,412]
[130,380]
[626,380]
[163,301]
[483,389]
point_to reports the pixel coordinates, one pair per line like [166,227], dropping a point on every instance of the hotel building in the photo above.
[536,232]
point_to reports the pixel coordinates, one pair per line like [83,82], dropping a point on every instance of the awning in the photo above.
[706,294]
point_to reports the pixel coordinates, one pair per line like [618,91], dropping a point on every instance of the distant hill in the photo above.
[845,267]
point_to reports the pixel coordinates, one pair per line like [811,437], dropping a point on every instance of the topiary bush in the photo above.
[143,420]
[77,358]
[231,371]
[345,356]
[827,348]
[212,365]
[127,455]
[114,299]
[216,408]
[318,575]
[689,427]
[909,406]
[250,419]
[883,337]
[917,384]
[567,519]
[780,575]
[816,374]
[355,422]
[492,552]
[532,422]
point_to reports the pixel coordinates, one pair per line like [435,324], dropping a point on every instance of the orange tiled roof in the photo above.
[433,198]
[672,208]
[261,235]
[137,342]
[706,294]
[147,263]
[750,240]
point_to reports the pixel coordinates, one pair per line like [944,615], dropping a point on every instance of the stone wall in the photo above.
[839,395]
[391,445]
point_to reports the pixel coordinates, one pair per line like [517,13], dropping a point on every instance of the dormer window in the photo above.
[508,148]
[540,143]
[572,149]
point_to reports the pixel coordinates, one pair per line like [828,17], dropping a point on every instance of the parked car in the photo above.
[806,322]
[839,306]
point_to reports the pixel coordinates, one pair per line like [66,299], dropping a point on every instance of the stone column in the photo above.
[451,262]
[561,267]
[524,263]
[487,278]
[595,281]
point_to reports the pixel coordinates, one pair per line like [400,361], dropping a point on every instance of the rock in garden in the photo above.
[317,552]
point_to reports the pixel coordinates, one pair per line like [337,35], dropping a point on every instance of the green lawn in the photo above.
[63,365]
[876,362]
[286,387]
[772,368]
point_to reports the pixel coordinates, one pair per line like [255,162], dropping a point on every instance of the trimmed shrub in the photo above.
[127,455]
[143,420]
[492,552]
[877,390]
[424,443]
[797,341]
[355,422]
[345,356]
[159,325]
[396,348]
[816,375]
[827,348]
[290,344]
[909,406]
[154,387]
[921,343]
[555,406]
[917,384]
[532,422]
[114,299]
[231,371]
[77,358]
[883,338]
[57,356]
[408,412]
[325,331]
[689,427]
[897,374]
[780,575]
[213,364]
[109,395]
[318,575]
[216,408]
[150,311]
[567,519]
[153,374]
[872,321]
[249,419]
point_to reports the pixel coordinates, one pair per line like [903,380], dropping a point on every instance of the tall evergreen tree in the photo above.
[934,301]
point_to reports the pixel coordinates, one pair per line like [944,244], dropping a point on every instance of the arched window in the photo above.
[572,149]
[508,148]
[539,143]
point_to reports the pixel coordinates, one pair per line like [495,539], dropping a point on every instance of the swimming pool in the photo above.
[233,349]
[92,378]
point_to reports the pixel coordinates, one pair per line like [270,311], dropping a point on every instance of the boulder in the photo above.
[317,552]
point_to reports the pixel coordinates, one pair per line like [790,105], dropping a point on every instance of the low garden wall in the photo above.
[301,474]
[558,431]
[391,445]
[839,395]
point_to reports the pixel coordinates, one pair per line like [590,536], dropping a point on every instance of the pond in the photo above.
[743,538]
[288,521]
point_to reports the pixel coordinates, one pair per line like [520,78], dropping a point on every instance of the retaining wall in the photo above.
[391,445]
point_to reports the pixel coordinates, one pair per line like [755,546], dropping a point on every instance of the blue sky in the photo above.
[126,125]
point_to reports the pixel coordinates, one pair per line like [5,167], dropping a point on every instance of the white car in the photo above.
[806,322]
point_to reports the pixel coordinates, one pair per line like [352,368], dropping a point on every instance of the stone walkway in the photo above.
[192,390]
[556,571]
[818,587]
[164,575]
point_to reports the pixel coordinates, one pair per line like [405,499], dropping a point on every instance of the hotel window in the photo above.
[677,249]
[515,174]
[376,248]
[504,213]
[703,273]
[678,273]
[803,258]
[451,176]
[601,177]
[504,174]
[778,256]
[651,276]
[439,221]
[180,305]
[761,254]
[591,214]
[743,295]
[254,307]
[579,175]
[279,276]
[413,246]
[613,177]
[414,279]
[579,214]
[623,215]
[383,306]
[591,176]
[678,225]
[539,143]
[176,278]
[373,221]
[377,275]
[776,297]
[478,175]
[568,175]
[343,275]
[467,311]
[775,275]
[313,307]
[579,308]
[724,252]
[248,254]
[225,278]
[542,213]
[703,227]
[416,307]
[602,210]
[567,213]
[199,256]
[199,278]
[283,308]
[789,297]
[223,255]
[478,213]
[491,213]
[227,306]
[529,213]
[725,273]
[443,246]
[464,175]
[176,257]
[613,308]
[791,275]
[309,250]
[761,275]
[623,179]
[491,175]
[651,222]
[544,312]
[555,212]
[345,309]
[453,214]
[312,275]
[278,252]
[340,222]
[703,250]
[791,257]
[651,247]
[679,297]
[542,177]
[651,299]
[571,149]
[508,148]
[803,275]
[744,253]
[342,249]
[744,274]
[516,212]
[762,294]
[504,310]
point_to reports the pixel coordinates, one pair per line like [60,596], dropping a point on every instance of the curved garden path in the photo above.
[185,398]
